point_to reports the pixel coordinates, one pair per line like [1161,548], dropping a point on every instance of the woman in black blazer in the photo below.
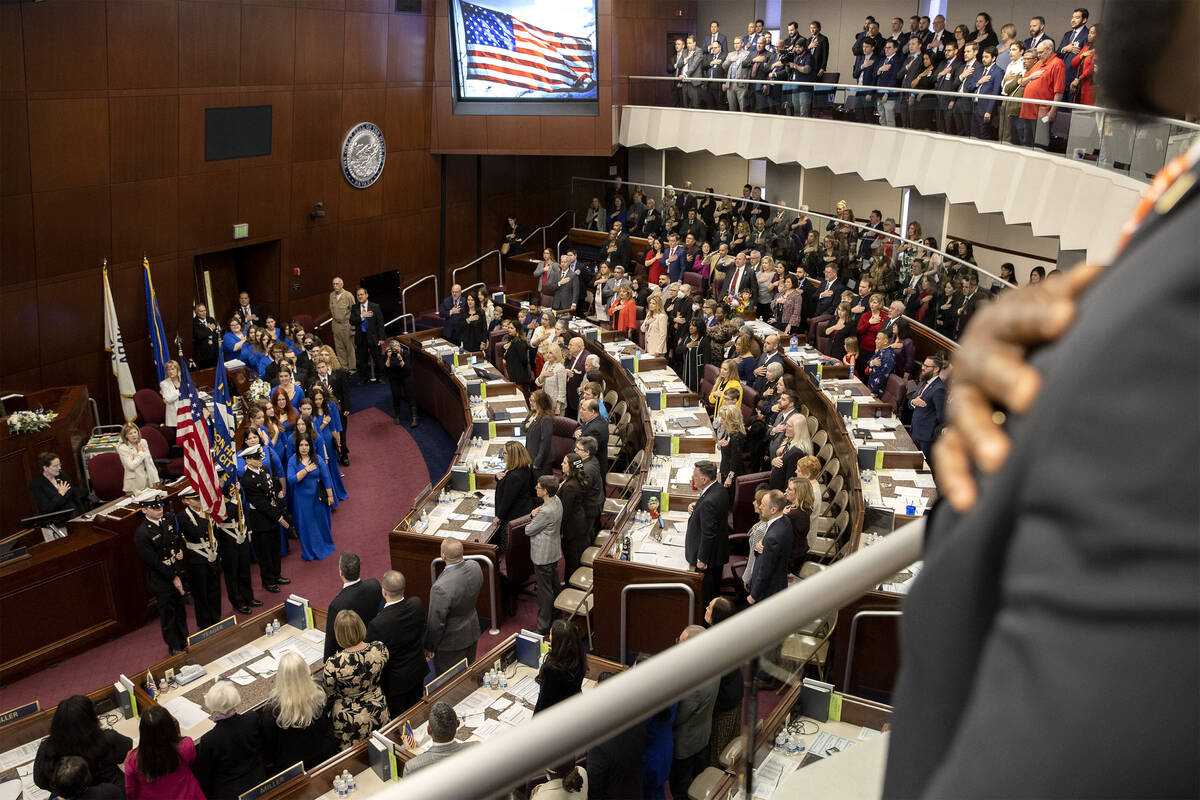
[564,669]
[516,355]
[539,433]
[514,490]
[229,758]
[795,447]
[75,731]
[295,721]
[732,442]
[576,535]
[474,326]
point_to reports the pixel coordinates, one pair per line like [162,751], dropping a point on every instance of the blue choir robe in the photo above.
[313,520]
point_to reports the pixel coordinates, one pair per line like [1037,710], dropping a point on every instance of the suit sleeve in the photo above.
[708,528]
[439,606]
[938,402]
[765,566]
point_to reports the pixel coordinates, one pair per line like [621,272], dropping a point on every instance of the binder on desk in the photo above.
[499,298]
[656,401]
[474,388]
[296,611]
[846,407]
[870,458]
[630,363]
[814,699]
[382,756]
[501,416]
[529,648]
[483,429]
[814,371]
[666,444]
[592,333]
[130,696]
[462,479]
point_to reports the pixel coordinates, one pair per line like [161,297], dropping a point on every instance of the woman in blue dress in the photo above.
[286,383]
[307,426]
[234,340]
[308,479]
[284,417]
[658,753]
[327,422]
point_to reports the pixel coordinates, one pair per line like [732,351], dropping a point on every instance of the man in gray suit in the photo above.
[693,67]
[693,725]
[443,724]
[737,65]
[453,627]
[545,549]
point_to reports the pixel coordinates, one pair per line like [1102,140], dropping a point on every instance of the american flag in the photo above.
[410,740]
[191,433]
[504,49]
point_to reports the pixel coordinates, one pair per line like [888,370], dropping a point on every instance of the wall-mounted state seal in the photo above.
[363,154]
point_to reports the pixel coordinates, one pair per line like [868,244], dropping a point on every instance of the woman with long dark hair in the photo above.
[160,767]
[516,355]
[474,326]
[576,536]
[312,493]
[539,433]
[75,731]
[562,673]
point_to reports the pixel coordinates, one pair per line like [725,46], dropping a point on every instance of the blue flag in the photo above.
[154,325]
[224,451]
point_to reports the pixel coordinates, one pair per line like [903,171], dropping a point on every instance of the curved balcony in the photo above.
[1076,199]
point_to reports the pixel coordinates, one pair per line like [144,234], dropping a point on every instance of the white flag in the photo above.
[116,348]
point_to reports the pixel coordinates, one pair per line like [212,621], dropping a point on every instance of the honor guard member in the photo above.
[264,516]
[161,550]
[233,544]
[201,558]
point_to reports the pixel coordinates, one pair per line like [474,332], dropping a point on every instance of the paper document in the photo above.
[187,713]
[500,703]
[924,482]
[476,525]
[474,703]
[517,714]
[237,658]
[295,644]
[490,728]
[19,755]
[241,678]
[266,667]
[314,635]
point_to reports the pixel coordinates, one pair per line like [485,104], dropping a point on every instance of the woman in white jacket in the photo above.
[140,472]
[169,389]
[554,378]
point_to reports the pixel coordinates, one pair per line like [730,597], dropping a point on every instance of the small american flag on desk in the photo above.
[503,49]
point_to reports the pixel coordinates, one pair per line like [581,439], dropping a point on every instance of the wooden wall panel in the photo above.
[209,44]
[12,49]
[145,219]
[316,128]
[268,45]
[207,209]
[154,62]
[373,6]
[365,51]
[263,200]
[16,240]
[68,143]
[411,244]
[460,233]
[408,118]
[14,147]
[71,230]
[315,251]
[319,43]
[64,46]
[312,182]
[419,182]
[19,308]
[191,130]
[410,47]
[145,137]
[360,248]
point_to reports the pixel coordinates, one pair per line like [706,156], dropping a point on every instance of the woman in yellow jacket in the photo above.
[727,379]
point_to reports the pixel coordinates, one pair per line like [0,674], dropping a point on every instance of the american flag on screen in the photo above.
[191,433]
[504,49]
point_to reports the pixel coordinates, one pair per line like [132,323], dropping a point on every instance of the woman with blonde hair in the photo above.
[553,378]
[352,679]
[796,446]
[514,489]
[140,471]
[655,327]
[169,389]
[731,442]
[799,511]
[623,310]
[727,378]
[295,720]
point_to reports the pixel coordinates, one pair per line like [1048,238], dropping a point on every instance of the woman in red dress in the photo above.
[654,265]
[1085,69]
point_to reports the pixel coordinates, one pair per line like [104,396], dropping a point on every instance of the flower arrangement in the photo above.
[259,391]
[740,304]
[30,421]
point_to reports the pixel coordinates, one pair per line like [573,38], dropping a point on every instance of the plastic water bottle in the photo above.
[799,744]
[339,786]
[503,680]
[270,630]
[348,779]
[792,747]
[275,626]
[851,370]
[780,742]
[794,343]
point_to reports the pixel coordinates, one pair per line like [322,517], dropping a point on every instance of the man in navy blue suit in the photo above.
[1037,32]
[928,403]
[706,543]
[987,86]
[1072,42]
[674,259]
[865,74]
[771,566]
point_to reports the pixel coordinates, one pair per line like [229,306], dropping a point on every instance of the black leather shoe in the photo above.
[345,460]
[243,609]
[272,589]
[283,581]
[256,602]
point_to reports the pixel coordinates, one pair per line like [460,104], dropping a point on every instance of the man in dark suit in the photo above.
[770,355]
[366,318]
[160,549]
[987,87]
[711,95]
[716,37]
[928,403]
[692,727]
[692,67]
[740,278]
[947,81]
[361,596]
[400,625]
[206,338]
[1042,570]
[250,314]
[264,516]
[452,630]
[771,566]
[829,294]
[575,364]
[586,447]
[706,544]
[1074,40]
[913,65]
[939,37]
[651,220]
[818,48]
[592,424]
[52,491]
[1037,32]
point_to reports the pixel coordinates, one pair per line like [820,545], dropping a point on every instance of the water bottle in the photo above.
[792,747]
[348,780]
[339,786]
[851,370]
[799,744]
[503,681]
[275,626]
[270,630]
[780,742]
[794,344]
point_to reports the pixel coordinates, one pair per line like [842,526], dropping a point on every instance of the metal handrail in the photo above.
[639,587]
[495,629]
[499,264]
[466,290]
[821,86]
[414,284]
[318,325]
[403,329]
[558,246]
[549,225]
[853,223]
[569,727]
[853,633]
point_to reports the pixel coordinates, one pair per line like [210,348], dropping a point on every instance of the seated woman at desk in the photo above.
[296,721]
[140,472]
[731,441]
[75,731]
[562,673]
[169,389]
[352,680]
[727,378]
[229,757]
[795,447]
[160,768]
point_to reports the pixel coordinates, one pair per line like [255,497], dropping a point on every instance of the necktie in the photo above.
[364,322]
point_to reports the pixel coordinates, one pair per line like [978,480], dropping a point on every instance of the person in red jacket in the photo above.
[623,311]
[1085,68]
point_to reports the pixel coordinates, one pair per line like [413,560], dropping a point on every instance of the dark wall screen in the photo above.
[237,132]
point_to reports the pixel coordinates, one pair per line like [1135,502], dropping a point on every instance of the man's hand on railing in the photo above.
[991,373]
